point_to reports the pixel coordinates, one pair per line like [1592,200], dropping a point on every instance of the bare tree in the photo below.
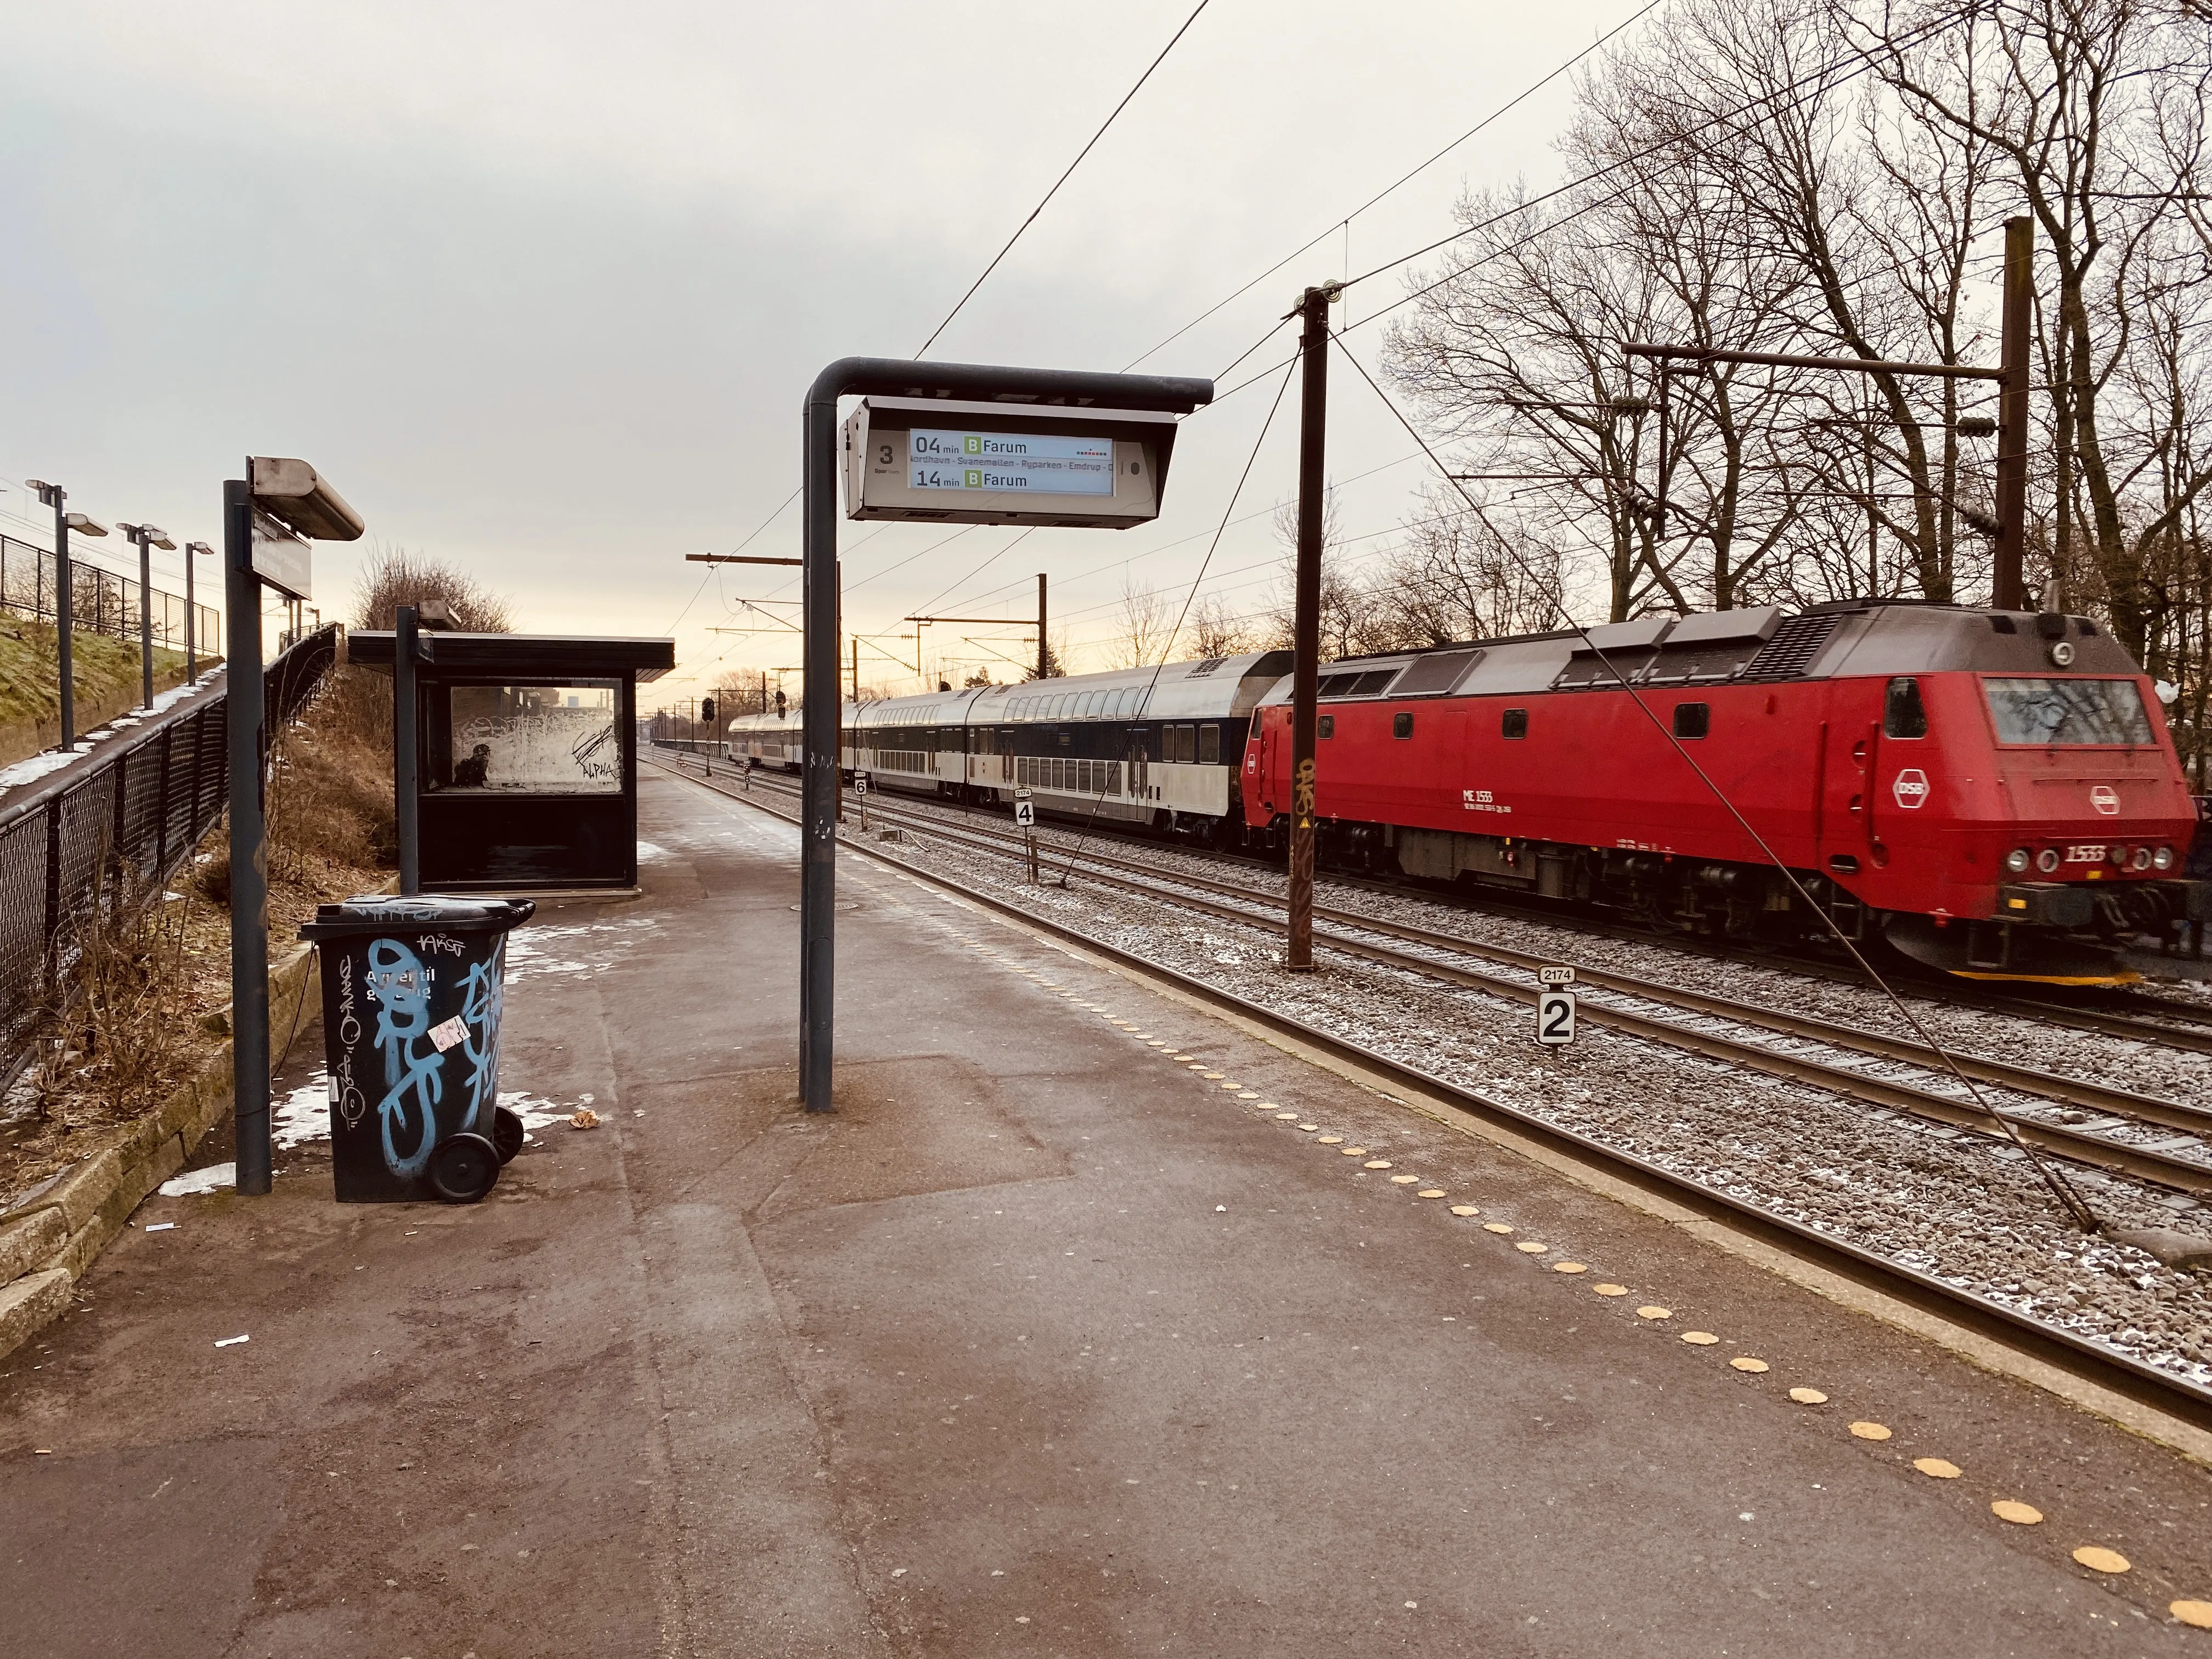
[1214,630]
[1146,618]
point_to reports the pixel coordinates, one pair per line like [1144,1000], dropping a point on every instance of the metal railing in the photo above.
[109,830]
[104,601]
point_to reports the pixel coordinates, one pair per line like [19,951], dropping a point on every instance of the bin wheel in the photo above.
[507,1132]
[463,1169]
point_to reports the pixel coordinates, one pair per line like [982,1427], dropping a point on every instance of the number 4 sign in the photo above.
[1555,1017]
[1025,813]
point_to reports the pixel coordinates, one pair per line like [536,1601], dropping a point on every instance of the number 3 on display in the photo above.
[1555,1018]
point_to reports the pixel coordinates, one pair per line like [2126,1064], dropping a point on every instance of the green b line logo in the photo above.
[973,444]
[973,477]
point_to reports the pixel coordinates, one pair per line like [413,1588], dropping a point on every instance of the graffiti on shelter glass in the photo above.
[415,1067]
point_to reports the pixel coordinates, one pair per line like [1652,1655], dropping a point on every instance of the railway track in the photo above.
[2078,1354]
[2179,1155]
[2167,1022]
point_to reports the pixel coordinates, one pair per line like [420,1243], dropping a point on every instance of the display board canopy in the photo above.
[551,657]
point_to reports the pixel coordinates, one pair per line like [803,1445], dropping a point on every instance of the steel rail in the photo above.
[2077,1356]
[2102,1098]
[2134,1028]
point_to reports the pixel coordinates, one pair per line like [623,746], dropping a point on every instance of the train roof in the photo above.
[1209,688]
[1758,645]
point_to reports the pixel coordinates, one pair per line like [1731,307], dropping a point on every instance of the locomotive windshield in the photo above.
[2069,712]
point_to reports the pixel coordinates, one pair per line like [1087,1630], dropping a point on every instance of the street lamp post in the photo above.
[145,538]
[55,496]
[192,665]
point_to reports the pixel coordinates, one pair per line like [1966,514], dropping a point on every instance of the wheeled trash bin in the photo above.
[410,1029]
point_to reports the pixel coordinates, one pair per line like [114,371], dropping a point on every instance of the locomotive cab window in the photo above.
[1209,745]
[1327,725]
[1402,726]
[1514,723]
[1902,713]
[2069,713]
[1692,720]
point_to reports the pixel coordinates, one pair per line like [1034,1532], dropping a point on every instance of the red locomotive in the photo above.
[1994,792]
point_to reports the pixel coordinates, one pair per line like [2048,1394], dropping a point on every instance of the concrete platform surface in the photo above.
[1048,1343]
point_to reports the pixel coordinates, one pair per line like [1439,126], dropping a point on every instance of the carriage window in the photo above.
[1902,714]
[1692,720]
[1186,744]
[1328,724]
[1209,745]
[1514,723]
[1402,726]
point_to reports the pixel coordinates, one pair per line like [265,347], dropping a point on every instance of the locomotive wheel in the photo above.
[463,1169]
[507,1132]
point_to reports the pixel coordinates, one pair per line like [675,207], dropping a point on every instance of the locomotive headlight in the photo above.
[2163,858]
[2017,860]
[2140,859]
[2047,860]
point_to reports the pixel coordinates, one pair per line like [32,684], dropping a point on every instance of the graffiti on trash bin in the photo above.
[414,1065]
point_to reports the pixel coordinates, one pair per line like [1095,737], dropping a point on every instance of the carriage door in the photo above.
[1006,756]
[1140,767]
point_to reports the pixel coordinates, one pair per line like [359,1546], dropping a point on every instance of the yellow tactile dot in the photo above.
[1465,1209]
[1247,1094]
[1570,1267]
[1376,1163]
[1238,1088]
[1610,1290]
[2197,1616]
[1180,1056]
[2098,1558]
[1495,1227]
[1530,1247]
[1809,1396]
[1403,1180]
[1355,1152]
[1268,1106]
[1746,1362]
[1938,1468]
[1870,1431]
[1332,1140]
[1210,1076]
[1653,1312]
[1286,1117]
[1308,1128]
[2020,1514]
[1430,1192]
[1699,1338]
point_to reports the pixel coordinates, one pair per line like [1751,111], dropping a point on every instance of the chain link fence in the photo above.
[112,828]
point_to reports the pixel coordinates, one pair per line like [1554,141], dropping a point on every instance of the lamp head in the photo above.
[51,495]
[84,526]
[198,547]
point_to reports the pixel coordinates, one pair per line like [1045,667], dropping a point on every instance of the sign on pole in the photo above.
[860,783]
[1025,814]
[1555,1018]
[1551,976]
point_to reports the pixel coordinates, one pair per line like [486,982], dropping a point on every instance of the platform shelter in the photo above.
[528,746]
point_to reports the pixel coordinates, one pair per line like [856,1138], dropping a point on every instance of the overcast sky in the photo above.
[538,287]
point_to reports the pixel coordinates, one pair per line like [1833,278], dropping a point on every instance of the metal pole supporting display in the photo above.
[292,495]
[249,850]
[887,377]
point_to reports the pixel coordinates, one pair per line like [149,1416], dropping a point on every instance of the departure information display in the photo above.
[1038,464]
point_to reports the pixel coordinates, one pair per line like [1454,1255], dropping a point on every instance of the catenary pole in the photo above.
[1305,632]
[1044,653]
[2007,585]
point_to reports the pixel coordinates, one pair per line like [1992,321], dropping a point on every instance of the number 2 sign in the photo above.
[1555,1018]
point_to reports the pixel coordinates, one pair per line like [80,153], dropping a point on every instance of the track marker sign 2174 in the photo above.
[1555,1017]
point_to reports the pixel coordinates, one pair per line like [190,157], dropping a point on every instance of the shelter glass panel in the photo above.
[546,739]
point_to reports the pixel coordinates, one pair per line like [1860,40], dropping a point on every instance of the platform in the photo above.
[1048,1342]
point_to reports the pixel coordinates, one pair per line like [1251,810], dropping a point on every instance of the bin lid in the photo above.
[368,913]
